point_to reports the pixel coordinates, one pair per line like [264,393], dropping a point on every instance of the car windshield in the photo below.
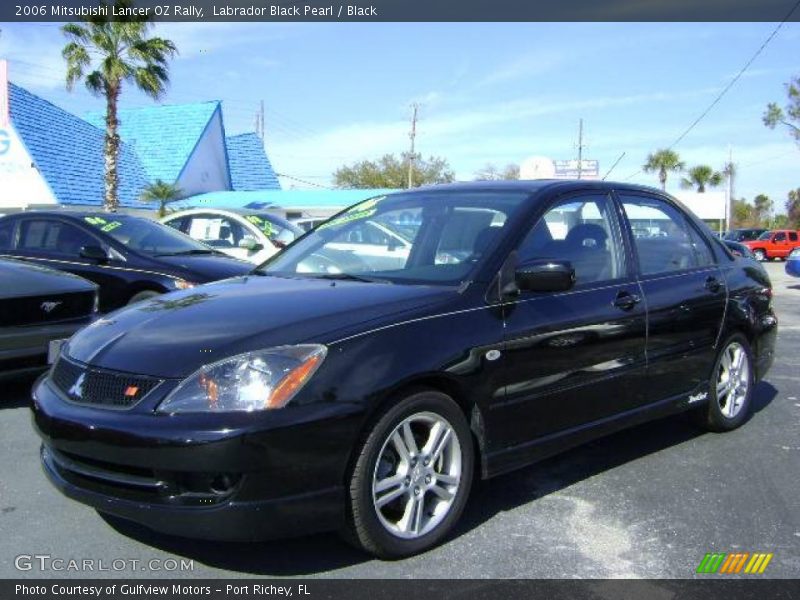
[425,238]
[146,236]
[275,228]
[765,236]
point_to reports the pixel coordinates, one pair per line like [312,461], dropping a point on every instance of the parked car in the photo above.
[242,233]
[793,263]
[744,235]
[307,224]
[39,306]
[739,249]
[774,244]
[130,258]
[367,400]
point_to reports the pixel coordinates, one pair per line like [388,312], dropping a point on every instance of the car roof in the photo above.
[72,214]
[533,186]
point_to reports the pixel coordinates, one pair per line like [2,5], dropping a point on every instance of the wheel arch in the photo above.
[437,382]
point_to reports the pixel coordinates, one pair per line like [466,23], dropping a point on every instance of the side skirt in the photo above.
[522,455]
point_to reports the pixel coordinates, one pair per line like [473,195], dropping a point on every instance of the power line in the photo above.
[319,185]
[731,83]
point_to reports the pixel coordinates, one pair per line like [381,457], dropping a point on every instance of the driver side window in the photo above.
[581,230]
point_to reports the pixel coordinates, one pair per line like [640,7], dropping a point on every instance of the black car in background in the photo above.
[523,319]
[743,235]
[739,249]
[130,258]
[39,306]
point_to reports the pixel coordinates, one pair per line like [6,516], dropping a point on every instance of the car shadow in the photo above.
[16,391]
[324,552]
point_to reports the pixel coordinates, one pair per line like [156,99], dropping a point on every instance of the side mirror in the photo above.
[545,276]
[94,253]
[250,244]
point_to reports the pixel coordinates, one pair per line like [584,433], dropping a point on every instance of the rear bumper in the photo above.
[213,477]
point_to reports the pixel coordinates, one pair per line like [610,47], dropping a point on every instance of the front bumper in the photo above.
[220,477]
[24,349]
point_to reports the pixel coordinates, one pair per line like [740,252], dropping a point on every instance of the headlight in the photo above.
[182,284]
[263,380]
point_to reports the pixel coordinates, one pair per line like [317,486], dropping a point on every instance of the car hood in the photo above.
[175,334]
[202,268]
[35,280]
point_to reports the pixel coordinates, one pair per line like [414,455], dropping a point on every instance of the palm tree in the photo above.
[163,193]
[700,177]
[104,54]
[663,162]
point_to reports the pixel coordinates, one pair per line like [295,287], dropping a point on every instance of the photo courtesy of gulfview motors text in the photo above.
[381,299]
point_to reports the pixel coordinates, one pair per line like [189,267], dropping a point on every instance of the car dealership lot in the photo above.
[647,502]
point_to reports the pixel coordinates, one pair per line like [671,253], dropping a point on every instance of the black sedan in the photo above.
[130,258]
[525,318]
[39,307]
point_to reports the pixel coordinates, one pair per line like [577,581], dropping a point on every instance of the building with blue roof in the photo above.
[49,156]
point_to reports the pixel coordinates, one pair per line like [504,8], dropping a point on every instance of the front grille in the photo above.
[96,387]
[33,310]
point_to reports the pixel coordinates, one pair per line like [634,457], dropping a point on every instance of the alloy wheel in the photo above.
[417,475]
[733,379]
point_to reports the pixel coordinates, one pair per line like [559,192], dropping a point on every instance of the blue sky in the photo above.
[499,93]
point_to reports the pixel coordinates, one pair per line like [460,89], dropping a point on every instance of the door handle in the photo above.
[713,284]
[626,300]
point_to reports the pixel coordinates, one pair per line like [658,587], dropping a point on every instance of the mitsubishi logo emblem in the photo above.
[76,391]
[49,306]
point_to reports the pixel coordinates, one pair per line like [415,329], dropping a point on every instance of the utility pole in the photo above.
[413,135]
[260,121]
[729,203]
[580,148]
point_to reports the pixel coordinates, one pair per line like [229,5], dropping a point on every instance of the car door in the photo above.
[570,357]
[685,294]
[57,243]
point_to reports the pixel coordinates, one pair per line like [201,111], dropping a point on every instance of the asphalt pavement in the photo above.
[648,502]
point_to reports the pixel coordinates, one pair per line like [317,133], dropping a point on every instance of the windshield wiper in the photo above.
[188,252]
[348,277]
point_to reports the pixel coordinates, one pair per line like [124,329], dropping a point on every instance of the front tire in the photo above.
[760,254]
[731,386]
[412,477]
[142,296]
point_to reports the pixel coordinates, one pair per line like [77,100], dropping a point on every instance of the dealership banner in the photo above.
[376,589]
[405,10]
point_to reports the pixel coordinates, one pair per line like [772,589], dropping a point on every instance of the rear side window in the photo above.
[6,233]
[780,237]
[792,236]
[664,241]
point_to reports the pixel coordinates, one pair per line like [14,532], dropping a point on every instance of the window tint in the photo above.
[792,236]
[55,237]
[580,230]
[664,240]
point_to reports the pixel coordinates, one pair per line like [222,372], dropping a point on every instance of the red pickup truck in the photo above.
[777,243]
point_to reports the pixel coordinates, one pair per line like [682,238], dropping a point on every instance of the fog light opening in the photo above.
[223,484]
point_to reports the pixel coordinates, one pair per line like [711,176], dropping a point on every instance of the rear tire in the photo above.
[412,477]
[731,386]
